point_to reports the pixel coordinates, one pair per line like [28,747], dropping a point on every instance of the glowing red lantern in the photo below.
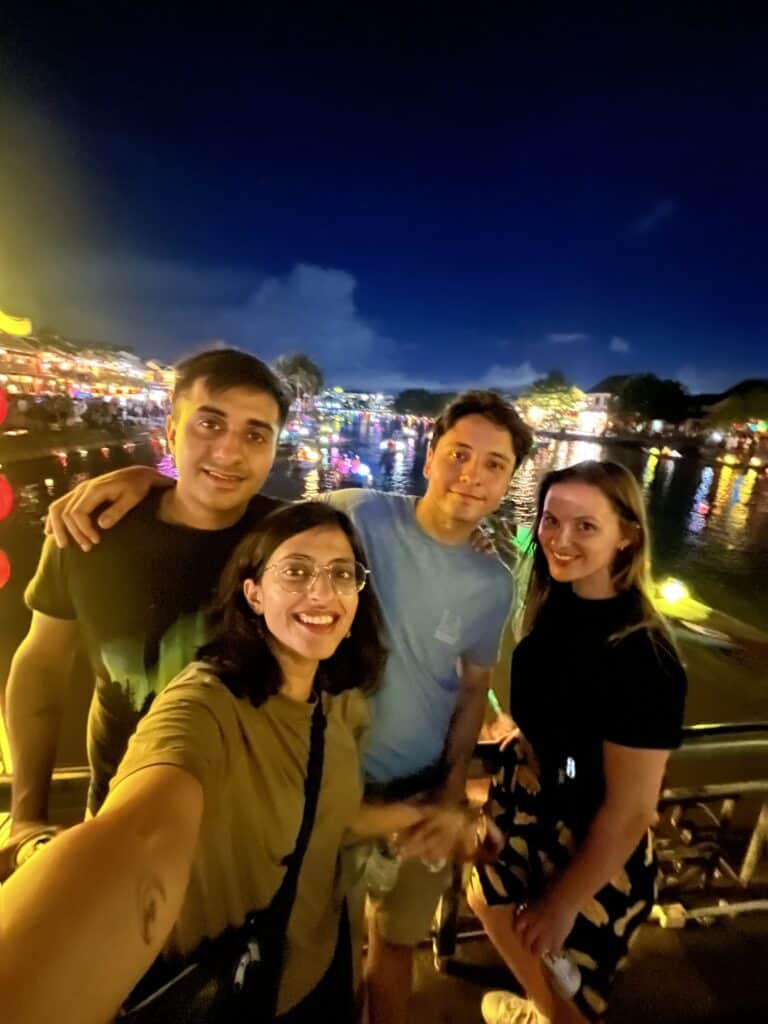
[5,569]
[6,498]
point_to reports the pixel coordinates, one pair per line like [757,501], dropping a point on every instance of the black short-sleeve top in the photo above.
[575,686]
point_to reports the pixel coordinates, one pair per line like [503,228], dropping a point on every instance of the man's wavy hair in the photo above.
[239,652]
[496,410]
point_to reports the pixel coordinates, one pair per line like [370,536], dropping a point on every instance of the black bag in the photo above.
[234,978]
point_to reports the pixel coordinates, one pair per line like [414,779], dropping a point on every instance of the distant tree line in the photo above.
[418,402]
[643,397]
[637,399]
[742,406]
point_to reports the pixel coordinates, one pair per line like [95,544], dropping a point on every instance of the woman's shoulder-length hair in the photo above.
[631,569]
[239,651]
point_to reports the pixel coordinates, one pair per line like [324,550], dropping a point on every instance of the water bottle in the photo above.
[381,868]
[566,976]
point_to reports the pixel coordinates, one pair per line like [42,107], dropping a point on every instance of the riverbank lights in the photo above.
[672,591]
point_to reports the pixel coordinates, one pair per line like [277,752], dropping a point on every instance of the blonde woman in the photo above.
[598,694]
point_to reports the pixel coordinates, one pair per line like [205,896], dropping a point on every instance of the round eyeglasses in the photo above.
[297,575]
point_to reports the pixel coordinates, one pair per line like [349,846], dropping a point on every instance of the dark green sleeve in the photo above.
[48,590]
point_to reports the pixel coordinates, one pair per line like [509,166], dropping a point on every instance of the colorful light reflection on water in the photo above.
[710,522]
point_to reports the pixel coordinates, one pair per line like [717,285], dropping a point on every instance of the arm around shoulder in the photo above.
[71,516]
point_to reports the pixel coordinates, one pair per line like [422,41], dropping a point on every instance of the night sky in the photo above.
[451,195]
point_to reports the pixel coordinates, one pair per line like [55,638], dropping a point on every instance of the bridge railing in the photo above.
[712,835]
[711,838]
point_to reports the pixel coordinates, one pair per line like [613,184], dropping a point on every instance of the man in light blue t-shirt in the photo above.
[444,607]
[440,603]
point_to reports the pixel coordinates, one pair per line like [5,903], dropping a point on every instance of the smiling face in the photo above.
[580,533]
[224,445]
[469,470]
[310,625]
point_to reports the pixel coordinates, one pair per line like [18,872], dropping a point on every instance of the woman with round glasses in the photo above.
[208,801]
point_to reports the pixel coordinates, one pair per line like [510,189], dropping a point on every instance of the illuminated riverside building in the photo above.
[48,364]
[337,400]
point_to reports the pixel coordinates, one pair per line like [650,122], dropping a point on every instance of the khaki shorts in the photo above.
[403,916]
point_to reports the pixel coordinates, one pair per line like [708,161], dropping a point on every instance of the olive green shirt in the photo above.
[251,763]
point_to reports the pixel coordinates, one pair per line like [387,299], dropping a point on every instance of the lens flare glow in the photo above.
[673,591]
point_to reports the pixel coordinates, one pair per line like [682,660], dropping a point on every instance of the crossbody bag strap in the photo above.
[282,902]
[157,980]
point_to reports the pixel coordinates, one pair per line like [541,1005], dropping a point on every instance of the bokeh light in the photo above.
[5,569]
[6,498]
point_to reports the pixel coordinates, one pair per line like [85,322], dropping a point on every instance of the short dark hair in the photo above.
[239,653]
[224,368]
[494,408]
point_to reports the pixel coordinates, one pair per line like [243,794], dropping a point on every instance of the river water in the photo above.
[709,522]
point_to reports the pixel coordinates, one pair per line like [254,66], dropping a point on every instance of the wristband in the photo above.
[33,843]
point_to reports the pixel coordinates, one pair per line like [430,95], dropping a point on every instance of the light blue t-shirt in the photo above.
[439,603]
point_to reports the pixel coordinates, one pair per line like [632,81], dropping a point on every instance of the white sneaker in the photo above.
[506,1008]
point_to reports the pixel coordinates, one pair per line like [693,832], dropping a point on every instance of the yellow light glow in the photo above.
[650,469]
[754,461]
[305,454]
[535,415]
[673,591]
[747,486]
[18,326]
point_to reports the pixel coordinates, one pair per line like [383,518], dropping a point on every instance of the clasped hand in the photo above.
[543,926]
[444,832]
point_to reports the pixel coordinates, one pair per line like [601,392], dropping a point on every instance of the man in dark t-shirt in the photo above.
[137,599]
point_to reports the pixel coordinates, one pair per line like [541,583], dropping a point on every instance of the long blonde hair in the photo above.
[631,568]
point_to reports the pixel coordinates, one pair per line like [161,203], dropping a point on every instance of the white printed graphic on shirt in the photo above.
[449,629]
